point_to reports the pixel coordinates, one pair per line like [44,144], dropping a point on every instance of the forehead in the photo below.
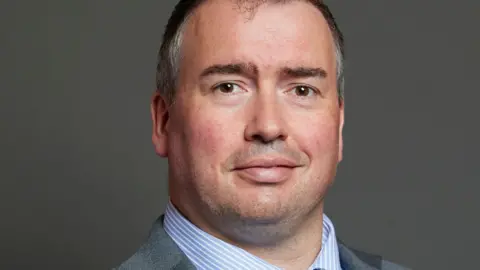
[274,34]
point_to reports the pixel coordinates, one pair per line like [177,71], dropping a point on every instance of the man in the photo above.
[249,111]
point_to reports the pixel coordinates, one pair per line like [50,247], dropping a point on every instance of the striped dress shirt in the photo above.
[207,252]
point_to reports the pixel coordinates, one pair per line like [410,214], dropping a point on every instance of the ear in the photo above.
[340,131]
[160,117]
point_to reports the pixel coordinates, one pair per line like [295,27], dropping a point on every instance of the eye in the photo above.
[304,91]
[227,88]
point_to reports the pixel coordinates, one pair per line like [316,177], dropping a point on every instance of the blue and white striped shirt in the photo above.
[208,252]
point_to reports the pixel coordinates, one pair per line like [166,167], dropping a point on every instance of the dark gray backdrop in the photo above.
[80,184]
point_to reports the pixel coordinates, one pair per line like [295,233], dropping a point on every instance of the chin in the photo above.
[263,209]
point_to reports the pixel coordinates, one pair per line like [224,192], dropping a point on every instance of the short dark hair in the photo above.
[169,53]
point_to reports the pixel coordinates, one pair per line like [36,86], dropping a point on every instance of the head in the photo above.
[249,111]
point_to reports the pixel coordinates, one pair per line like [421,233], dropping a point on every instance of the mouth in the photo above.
[267,163]
[267,170]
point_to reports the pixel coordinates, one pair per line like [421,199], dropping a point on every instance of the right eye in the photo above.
[227,88]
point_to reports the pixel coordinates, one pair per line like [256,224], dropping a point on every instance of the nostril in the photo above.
[260,138]
[264,128]
[265,138]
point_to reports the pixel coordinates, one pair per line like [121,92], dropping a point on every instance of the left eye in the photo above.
[227,88]
[303,91]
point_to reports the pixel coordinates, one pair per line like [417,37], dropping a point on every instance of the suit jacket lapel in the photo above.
[158,252]
[184,264]
[351,259]
[161,243]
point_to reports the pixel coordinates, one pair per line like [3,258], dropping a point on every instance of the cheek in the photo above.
[320,143]
[319,139]
[196,149]
[206,136]
[210,140]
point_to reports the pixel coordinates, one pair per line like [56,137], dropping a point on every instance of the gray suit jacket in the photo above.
[160,252]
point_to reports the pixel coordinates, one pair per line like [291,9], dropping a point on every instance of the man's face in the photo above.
[255,129]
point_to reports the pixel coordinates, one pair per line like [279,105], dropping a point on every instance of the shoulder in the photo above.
[387,265]
[351,258]
[158,252]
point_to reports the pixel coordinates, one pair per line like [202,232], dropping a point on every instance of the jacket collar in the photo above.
[351,259]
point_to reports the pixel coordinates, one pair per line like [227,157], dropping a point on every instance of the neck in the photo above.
[296,251]
[293,244]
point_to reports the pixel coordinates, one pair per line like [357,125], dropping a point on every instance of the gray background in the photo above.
[80,184]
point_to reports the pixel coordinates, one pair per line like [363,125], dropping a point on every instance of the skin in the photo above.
[279,100]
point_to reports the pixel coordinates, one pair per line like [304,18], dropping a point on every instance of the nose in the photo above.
[266,121]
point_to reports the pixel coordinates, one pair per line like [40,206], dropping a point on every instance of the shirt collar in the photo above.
[208,252]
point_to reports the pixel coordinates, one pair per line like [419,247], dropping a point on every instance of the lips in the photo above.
[266,170]
[267,163]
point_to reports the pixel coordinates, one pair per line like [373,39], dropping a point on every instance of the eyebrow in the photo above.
[245,69]
[304,72]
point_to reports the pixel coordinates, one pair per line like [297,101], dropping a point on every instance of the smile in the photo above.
[271,171]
